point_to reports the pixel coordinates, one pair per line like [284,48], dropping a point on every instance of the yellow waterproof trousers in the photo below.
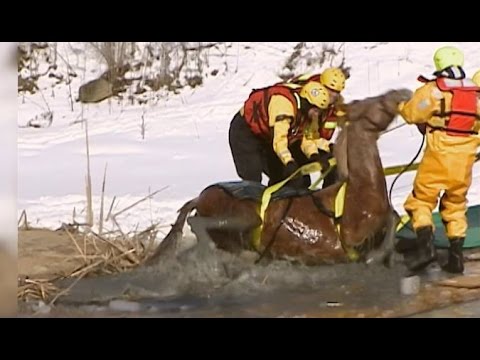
[446,166]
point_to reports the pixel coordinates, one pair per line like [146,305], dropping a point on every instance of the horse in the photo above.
[302,225]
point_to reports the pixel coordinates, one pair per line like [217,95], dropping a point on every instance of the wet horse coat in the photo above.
[302,227]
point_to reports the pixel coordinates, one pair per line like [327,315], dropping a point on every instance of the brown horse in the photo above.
[301,225]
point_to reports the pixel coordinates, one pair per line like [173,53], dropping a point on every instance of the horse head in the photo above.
[376,113]
[368,116]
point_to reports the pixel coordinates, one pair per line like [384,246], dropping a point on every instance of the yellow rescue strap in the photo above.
[333,163]
[403,221]
[352,254]
[304,170]
[394,170]
[267,195]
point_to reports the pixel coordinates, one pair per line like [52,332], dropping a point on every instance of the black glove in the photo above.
[322,157]
[297,181]
[290,168]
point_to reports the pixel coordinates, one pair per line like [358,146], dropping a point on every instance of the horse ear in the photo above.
[346,71]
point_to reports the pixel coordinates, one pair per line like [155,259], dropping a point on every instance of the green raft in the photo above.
[473,234]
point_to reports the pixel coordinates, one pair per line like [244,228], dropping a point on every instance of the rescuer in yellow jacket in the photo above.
[271,120]
[449,108]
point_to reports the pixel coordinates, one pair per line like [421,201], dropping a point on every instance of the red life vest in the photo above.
[327,132]
[256,111]
[463,112]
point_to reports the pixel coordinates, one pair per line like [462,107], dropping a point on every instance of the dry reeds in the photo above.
[116,255]
[107,256]
[36,289]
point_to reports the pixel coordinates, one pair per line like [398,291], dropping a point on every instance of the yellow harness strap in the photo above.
[332,163]
[267,195]
[394,170]
[352,254]
[340,203]
[304,170]
[403,221]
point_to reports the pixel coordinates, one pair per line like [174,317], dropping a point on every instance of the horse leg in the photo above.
[385,252]
[393,221]
[200,226]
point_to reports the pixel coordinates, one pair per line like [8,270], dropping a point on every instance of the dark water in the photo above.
[225,285]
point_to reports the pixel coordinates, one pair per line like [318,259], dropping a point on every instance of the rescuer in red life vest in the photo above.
[271,120]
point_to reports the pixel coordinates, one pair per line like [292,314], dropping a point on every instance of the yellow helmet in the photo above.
[333,78]
[316,94]
[476,78]
[447,56]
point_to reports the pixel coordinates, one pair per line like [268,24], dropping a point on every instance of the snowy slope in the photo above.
[186,139]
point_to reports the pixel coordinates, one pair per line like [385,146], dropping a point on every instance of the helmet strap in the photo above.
[451,72]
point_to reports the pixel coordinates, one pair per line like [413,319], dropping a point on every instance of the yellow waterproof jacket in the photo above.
[281,107]
[421,109]
[425,103]
[282,116]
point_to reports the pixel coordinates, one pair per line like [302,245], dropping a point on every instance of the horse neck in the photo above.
[366,198]
[365,168]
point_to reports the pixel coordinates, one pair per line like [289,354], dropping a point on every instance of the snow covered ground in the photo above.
[186,139]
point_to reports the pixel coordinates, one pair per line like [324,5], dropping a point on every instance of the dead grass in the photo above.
[99,255]
[36,289]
